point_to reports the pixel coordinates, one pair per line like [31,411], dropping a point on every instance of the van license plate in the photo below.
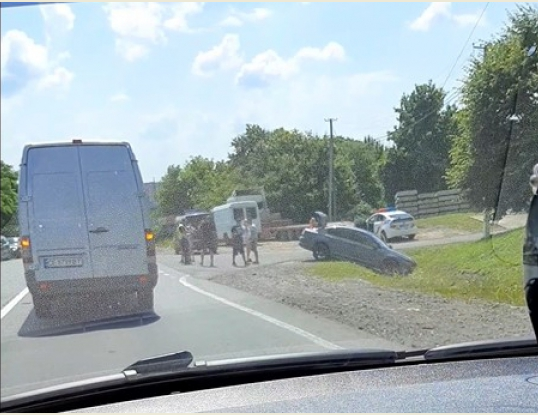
[66,262]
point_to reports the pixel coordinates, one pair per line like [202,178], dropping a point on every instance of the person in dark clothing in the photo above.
[237,243]
[184,244]
[208,238]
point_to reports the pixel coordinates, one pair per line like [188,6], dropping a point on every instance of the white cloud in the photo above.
[130,50]
[232,21]
[429,15]
[58,77]
[269,66]
[438,10]
[58,16]
[142,20]
[178,22]
[237,18]
[119,97]
[24,62]
[332,50]
[265,68]
[139,24]
[224,56]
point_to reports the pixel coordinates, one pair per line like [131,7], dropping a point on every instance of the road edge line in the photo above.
[14,301]
[296,330]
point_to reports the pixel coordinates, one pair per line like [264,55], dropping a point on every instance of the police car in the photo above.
[390,223]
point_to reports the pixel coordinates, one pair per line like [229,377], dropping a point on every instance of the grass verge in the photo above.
[457,221]
[485,270]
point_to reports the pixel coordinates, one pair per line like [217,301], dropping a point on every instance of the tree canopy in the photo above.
[8,194]
[493,154]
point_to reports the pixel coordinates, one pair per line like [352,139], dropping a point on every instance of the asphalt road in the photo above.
[191,313]
[209,320]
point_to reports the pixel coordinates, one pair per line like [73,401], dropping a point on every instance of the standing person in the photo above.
[208,241]
[253,232]
[246,239]
[191,232]
[237,243]
[185,244]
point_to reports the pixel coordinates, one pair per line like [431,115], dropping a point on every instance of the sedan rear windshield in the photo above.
[401,216]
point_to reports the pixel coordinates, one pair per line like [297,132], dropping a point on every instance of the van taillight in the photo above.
[149,236]
[26,252]
[150,242]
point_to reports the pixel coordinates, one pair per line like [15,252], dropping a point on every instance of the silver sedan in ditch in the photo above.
[356,245]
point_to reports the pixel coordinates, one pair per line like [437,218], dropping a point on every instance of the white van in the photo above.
[227,215]
[84,223]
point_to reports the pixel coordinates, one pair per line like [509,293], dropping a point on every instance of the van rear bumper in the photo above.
[107,285]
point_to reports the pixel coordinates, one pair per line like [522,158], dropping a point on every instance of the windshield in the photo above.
[400,216]
[119,120]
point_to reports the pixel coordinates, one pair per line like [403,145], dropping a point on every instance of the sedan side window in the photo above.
[362,239]
[336,232]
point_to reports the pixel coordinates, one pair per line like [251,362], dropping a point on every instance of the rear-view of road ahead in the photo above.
[191,313]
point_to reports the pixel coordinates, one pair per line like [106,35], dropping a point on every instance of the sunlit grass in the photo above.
[457,221]
[486,270]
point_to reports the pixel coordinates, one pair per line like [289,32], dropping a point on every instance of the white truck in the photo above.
[272,226]
[227,215]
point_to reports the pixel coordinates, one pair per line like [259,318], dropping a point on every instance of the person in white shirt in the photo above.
[253,241]
[246,239]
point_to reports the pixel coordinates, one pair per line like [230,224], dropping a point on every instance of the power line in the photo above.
[449,74]
[465,44]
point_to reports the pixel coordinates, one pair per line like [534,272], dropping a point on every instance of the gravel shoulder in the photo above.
[413,319]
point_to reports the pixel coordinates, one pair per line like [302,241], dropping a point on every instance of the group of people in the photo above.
[208,241]
[245,242]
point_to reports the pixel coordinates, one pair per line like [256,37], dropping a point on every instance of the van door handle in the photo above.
[100,229]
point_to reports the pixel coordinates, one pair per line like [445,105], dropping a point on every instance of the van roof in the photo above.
[75,142]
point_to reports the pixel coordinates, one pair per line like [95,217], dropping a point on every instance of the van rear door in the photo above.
[114,211]
[57,222]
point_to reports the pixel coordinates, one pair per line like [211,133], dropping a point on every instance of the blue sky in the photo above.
[182,79]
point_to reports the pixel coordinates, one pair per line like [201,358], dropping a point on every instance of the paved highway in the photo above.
[192,314]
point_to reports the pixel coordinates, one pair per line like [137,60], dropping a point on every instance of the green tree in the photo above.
[422,140]
[460,152]
[207,183]
[8,194]
[293,166]
[171,198]
[501,129]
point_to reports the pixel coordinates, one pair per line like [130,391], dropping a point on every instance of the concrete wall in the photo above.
[430,204]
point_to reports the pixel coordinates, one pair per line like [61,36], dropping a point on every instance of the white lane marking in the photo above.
[167,275]
[9,306]
[296,330]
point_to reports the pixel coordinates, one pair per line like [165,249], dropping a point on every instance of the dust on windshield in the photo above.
[165,167]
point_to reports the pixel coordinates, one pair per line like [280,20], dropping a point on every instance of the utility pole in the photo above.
[331,167]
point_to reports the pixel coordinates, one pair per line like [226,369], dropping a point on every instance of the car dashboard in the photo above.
[487,385]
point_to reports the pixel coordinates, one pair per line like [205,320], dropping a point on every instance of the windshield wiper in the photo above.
[174,362]
[526,346]
[177,363]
